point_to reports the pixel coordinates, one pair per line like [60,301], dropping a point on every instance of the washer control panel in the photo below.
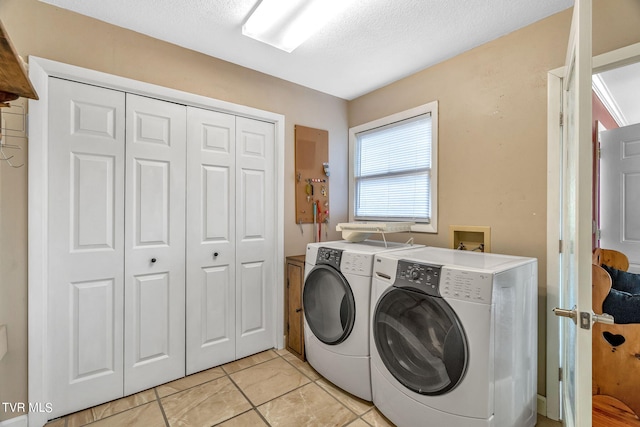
[474,286]
[330,257]
[419,276]
[356,263]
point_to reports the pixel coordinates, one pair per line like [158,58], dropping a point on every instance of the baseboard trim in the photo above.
[21,421]
[542,405]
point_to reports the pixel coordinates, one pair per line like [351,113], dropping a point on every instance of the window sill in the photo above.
[424,228]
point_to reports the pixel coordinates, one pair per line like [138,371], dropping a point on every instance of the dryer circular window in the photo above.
[327,298]
[418,336]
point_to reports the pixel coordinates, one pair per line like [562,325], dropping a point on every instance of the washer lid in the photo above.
[465,259]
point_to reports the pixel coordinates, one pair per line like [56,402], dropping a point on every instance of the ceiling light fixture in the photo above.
[287,24]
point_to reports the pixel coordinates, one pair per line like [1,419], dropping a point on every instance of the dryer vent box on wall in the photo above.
[470,238]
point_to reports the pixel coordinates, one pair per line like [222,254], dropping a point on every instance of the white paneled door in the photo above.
[161,242]
[211,249]
[116,247]
[154,243]
[86,247]
[255,234]
[620,187]
[230,238]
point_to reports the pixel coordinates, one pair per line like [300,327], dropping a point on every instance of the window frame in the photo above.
[428,108]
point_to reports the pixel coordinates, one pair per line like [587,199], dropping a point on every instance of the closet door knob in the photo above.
[215,254]
[153,260]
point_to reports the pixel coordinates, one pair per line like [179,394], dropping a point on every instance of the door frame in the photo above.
[40,69]
[606,61]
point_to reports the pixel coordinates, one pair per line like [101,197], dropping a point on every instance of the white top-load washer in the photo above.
[454,338]
[336,302]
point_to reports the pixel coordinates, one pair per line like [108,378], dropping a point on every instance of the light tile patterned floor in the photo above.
[272,388]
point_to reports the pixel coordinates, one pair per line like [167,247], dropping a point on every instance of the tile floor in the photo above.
[272,388]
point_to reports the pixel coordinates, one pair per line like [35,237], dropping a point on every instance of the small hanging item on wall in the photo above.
[315,225]
[312,168]
[14,83]
[309,190]
[13,124]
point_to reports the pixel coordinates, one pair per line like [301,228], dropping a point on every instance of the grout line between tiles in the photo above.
[166,420]
[312,381]
[323,389]
[361,416]
[193,386]
[253,407]
[300,370]
[338,400]
[256,364]
[235,416]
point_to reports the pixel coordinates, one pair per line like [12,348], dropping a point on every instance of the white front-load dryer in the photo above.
[336,302]
[454,338]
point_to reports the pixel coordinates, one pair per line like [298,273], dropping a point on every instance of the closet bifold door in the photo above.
[211,249]
[255,236]
[154,337]
[86,144]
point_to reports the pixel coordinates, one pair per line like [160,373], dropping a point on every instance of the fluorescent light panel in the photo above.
[286,24]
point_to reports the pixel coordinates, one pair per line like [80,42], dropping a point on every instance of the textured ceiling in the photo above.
[371,44]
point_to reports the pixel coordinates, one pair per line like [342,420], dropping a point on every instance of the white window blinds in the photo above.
[392,171]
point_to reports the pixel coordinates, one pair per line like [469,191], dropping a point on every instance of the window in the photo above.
[393,172]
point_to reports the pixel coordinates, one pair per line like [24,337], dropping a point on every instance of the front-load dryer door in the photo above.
[420,341]
[329,306]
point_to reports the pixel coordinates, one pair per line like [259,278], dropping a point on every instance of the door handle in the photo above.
[298,310]
[563,312]
[586,319]
[605,318]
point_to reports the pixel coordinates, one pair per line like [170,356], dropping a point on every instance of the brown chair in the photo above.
[616,348]
[611,257]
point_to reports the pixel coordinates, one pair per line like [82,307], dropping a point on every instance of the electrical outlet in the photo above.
[3,341]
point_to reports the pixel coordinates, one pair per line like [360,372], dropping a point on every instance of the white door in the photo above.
[211,251]
[154,243]
[86,247]
[255,236]
[620,192]
[575,222]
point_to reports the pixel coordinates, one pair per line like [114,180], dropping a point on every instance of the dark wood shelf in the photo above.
[14,82]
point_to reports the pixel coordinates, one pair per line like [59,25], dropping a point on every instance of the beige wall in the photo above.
[492,132]
[491,142]
[45,31]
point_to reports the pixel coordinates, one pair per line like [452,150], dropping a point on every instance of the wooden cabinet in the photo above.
[293,313]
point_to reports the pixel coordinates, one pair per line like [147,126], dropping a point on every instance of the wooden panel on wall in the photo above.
[312,179]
